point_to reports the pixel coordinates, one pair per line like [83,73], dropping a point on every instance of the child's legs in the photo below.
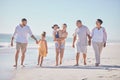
[38,59]
[41,61]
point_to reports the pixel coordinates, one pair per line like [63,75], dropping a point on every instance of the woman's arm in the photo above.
[104,37]
[54,38]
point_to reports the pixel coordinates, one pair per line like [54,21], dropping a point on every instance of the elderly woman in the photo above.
[99,38]
[59,38]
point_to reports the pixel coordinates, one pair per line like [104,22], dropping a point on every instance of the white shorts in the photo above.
[80,48]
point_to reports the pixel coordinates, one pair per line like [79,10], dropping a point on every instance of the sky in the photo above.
[42,14]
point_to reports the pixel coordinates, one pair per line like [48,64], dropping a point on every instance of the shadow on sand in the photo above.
[104,67]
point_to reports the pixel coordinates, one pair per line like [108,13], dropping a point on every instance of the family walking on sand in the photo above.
[81,38]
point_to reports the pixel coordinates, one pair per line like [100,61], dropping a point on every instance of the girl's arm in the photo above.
[46,46]
[39,41]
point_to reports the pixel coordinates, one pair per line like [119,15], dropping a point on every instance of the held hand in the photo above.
[105,44]
[89,43]
[73,46]
[12,44]
[37,42]
[54,40]
[47,52]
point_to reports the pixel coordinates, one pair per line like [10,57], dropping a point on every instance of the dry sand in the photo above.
[108,70]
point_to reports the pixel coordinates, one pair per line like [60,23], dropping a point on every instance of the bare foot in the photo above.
[85,63]
[23,65]
[37,64]
[96,64]
[56,65]
[76,65]
[14,65]
[60,62]
[40,65]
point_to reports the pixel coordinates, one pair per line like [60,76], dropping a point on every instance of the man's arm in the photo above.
[89,40]
[32,36]
[12,39]
[74,39]
[89,37]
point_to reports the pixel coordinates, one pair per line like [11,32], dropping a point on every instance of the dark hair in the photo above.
[24,19]
[100,21]
[79,21]
[65,24]
[44,34]
[55,25]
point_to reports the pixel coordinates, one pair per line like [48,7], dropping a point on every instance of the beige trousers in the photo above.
[97,46]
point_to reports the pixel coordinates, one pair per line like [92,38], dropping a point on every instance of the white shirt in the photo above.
[97,35]
[82,34]
[21,33]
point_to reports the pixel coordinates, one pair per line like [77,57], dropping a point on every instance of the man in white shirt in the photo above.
[21,34]
[80,37]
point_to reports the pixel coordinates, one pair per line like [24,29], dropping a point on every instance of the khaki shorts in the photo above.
[21,46]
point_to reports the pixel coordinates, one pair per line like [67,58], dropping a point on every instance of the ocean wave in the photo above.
[50,45]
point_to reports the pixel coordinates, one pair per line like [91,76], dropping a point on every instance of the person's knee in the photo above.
[78,54]
[57,55]
[84,54]
[42,58]
[17,52]
[23,54]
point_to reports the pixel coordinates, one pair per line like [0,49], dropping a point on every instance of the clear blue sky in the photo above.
[42,14]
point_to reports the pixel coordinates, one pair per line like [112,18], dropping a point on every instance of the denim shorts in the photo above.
[62,46]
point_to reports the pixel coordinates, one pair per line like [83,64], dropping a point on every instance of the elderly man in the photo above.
[80,37]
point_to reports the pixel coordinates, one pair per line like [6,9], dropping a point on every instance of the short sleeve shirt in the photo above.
[82,34]
[21,33]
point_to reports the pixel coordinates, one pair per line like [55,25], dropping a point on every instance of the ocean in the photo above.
[5,40]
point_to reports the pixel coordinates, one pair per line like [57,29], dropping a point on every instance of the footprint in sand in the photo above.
[84,79]
[100,76]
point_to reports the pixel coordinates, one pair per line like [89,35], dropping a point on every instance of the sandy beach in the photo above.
[108,70]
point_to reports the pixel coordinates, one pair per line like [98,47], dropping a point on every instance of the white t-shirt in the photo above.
[21,33]
[99,35]
[82,34]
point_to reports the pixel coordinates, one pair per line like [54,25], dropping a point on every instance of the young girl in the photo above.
[43,50]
